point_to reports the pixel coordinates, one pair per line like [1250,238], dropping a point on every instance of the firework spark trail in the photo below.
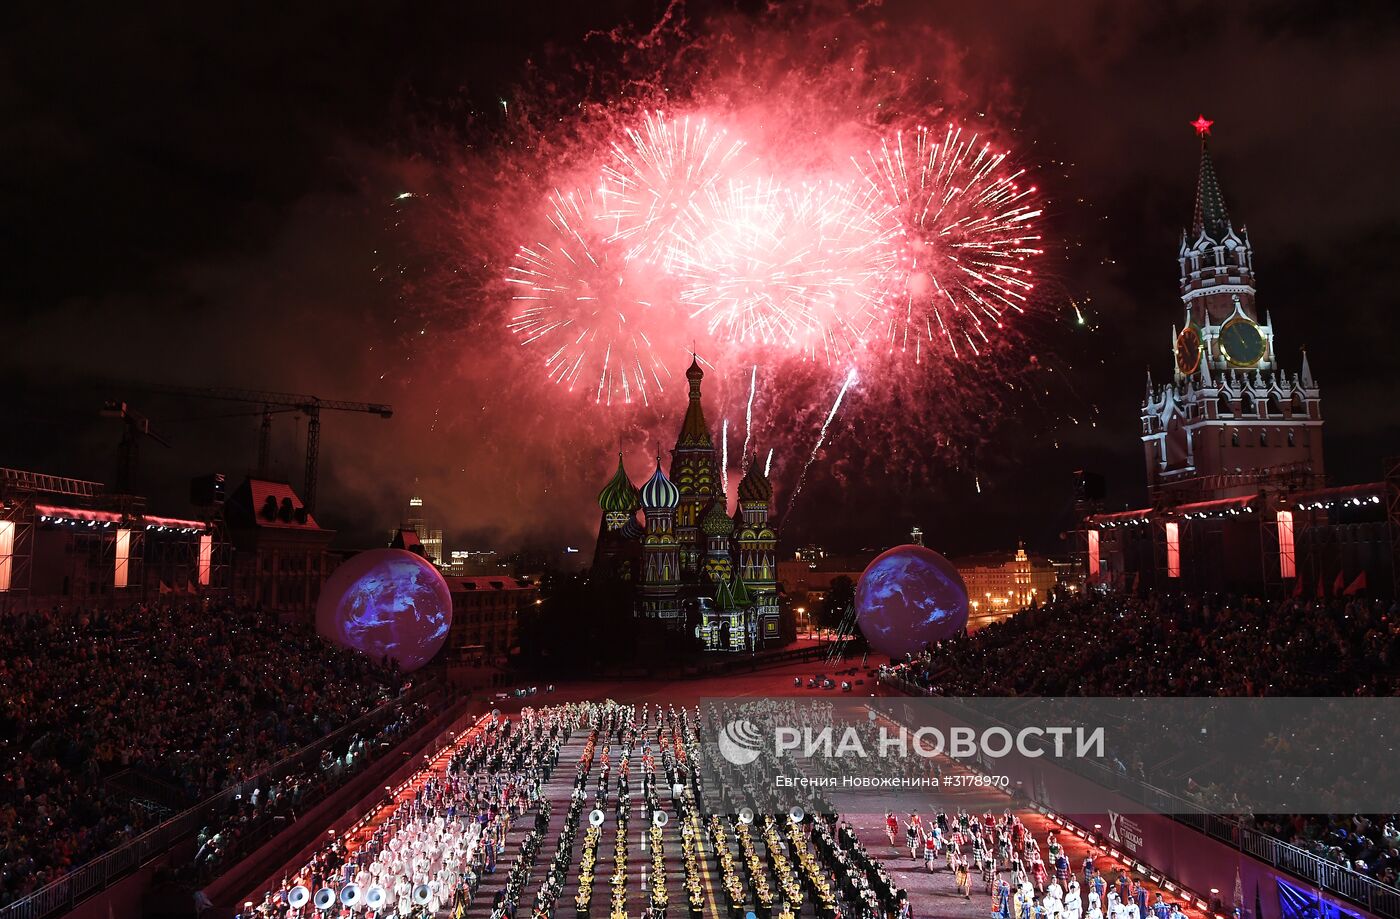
[748,417]
[724,456]
[768,466]
[851,378]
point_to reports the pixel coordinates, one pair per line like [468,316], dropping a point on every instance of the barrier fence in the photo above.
[66,892]
[1364,891]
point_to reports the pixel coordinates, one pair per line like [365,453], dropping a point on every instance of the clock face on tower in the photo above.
[1241,342]
[1188,350]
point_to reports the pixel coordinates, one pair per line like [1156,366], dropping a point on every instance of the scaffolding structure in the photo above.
[19,498]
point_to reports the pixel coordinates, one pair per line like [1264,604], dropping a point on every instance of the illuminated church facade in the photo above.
[689,559]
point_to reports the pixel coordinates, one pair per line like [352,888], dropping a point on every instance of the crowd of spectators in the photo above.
[1176,645]
[1173,645]
[186,697]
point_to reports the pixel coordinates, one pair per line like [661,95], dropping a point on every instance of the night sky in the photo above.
[204,195]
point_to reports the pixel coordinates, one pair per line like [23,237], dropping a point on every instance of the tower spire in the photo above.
[1211,217]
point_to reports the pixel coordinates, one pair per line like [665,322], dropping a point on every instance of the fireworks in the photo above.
[576,299]
[958,231]
[924,249]
[779,266]
[658,181]
[908,258]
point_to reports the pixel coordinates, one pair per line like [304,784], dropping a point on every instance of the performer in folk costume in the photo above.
[962,879]
[1088,869]
[1054,905]
[1021,905]
[1125,886]
[1100,886]
[1055,890]
[911,836]
[1001,900]
[1140,898]
[1062,868]
[891,826]
[931,851]
[1042,877]
[1160,909]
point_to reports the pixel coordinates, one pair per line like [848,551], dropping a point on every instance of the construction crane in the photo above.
[272,402]
[136,427]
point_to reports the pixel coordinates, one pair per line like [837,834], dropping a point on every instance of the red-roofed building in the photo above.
[281,553]
[486,616]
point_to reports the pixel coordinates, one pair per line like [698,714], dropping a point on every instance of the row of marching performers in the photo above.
[813,855]
[1022,883]
[434,848]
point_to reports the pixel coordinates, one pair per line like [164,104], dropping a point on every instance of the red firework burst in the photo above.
[958,232]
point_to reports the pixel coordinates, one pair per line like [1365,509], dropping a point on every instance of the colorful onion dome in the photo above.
[694,372]
[716,521]
[755,485]
[660,493]
[619,495]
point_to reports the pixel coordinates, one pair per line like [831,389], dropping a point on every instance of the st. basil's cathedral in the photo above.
[689,559]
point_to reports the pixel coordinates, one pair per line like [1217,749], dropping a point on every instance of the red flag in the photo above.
[1338,583]
[1357,585]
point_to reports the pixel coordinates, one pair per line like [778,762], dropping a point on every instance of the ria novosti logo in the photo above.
[740,742]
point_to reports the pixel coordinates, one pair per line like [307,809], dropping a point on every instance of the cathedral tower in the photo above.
[660,549]
[618,531]
[1233,421]
[757,563]
[694,470]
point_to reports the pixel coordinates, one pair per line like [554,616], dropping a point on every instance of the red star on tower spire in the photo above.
[1202,125]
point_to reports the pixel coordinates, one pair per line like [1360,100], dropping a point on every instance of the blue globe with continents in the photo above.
[908,598]
[386,603]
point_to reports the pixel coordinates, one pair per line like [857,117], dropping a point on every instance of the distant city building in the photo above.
[486,616]
[1002,583]
[807,581]
[429,537]
[467,562]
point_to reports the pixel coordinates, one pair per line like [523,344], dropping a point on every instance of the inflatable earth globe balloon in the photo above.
[386,602]
[908,598]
